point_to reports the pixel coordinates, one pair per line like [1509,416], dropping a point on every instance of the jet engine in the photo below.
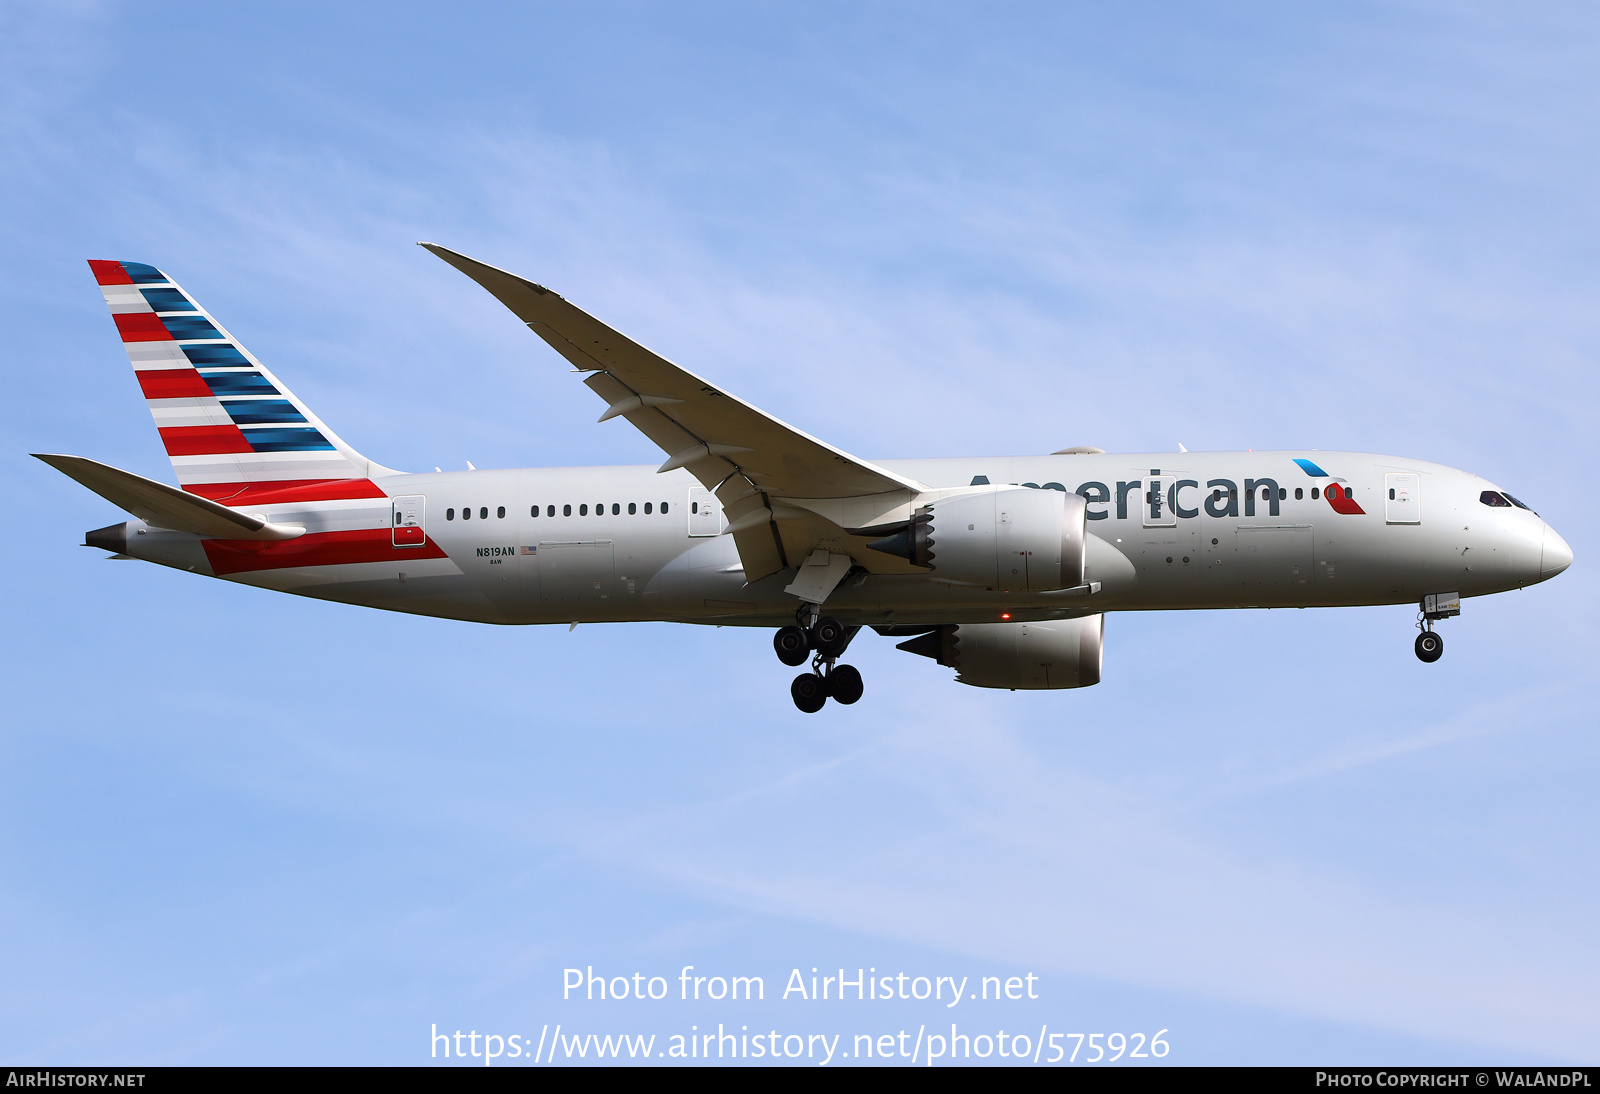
[1005,537]
[1057,653]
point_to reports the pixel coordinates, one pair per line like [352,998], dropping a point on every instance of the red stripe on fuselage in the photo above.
[204,440]
[286,490]
[237,556]
[109,273]
[141,326]
[172,383]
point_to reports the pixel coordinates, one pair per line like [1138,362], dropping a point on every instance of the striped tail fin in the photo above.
[234,432]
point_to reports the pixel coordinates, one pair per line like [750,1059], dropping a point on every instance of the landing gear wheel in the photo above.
[792,645]
[844,684]
[1430,647]
[830,637]
[809,692]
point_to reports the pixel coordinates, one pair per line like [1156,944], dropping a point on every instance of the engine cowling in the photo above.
[1004,537]
[1057,653]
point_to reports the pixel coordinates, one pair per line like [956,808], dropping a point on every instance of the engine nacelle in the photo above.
[1004,537]
[1057,653]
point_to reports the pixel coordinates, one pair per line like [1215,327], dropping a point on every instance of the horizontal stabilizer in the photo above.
[163,506]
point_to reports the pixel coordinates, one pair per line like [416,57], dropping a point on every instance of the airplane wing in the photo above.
[785,492]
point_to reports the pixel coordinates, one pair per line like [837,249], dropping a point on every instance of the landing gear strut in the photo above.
[823,639]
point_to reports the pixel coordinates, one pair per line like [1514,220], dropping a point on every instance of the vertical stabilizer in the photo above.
[234,432]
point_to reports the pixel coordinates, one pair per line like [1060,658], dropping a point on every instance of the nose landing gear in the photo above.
[1435,606]
[827,638]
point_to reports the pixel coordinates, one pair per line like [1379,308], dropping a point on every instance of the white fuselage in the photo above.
[1189,544]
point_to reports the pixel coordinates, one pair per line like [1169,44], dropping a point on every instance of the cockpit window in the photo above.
[1489,497]
[1517,503]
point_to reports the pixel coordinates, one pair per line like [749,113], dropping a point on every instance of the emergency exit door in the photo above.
[406,525]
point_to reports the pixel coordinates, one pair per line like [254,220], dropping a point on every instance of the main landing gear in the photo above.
[1435,606]
[822,642]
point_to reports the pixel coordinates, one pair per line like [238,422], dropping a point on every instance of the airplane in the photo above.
[1003,569]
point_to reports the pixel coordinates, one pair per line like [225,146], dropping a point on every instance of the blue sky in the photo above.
[241,827]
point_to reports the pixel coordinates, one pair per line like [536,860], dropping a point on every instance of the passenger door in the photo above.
[1403,505]
[1160,510]
[705,515]
[407,526]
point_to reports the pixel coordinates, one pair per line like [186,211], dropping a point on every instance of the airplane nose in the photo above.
[1557,555]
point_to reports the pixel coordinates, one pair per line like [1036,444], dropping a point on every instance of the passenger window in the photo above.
[550,512]
[647,509]
[632,509]
[566,510]
[616,510]
[1266,493]
[466,512]
[534,511]
[449,514]
[1489,497]
[1299,494]
[1315,493]
[1283,494]
[1391,493]
[694,507]
[583,510]
[663,508]
[501,512]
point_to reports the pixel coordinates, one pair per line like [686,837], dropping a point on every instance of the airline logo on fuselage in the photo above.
[1337,491]
[1160,498]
